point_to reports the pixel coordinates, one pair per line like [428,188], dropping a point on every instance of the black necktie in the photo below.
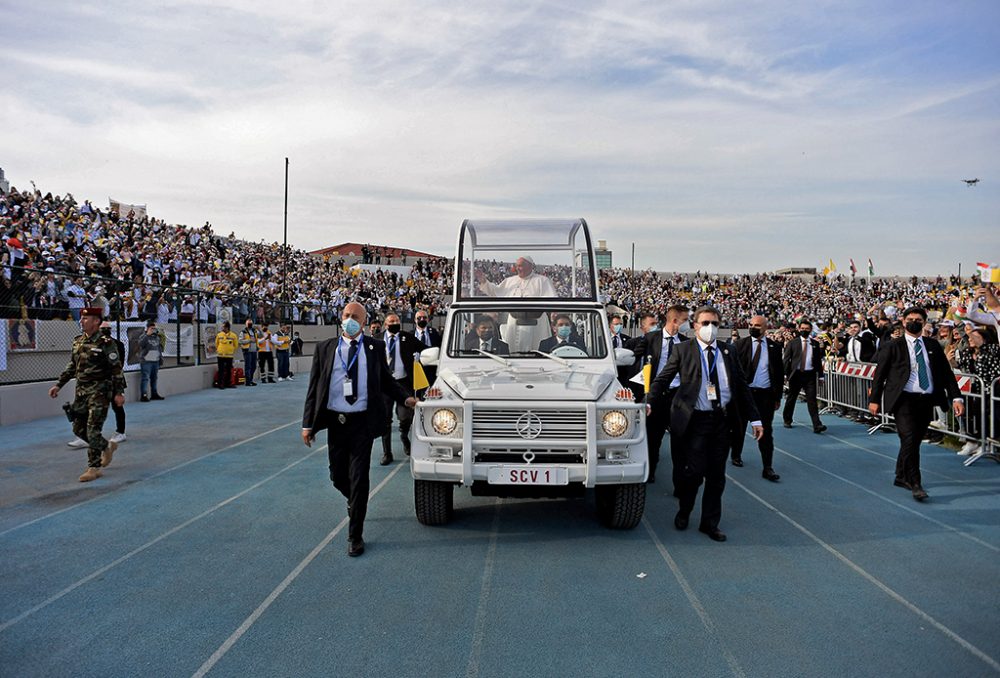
[670,346]
[756,358]
[713,376]
[352,372]
[392,353]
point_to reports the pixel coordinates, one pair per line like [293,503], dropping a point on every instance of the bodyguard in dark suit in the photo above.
[712,400]
[619,340]
[655,348]
[760,359]
[912,377]
[428,337]
[400,349]
[349,375]
[859,347]
[565,335]
[803,363]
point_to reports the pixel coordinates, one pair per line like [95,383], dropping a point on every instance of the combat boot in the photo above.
[92,473]
[108,453]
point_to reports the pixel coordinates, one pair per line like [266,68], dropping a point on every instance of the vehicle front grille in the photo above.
[514,424]
[516,456]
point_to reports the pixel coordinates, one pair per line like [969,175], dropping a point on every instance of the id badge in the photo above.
[712,394]
[348,389]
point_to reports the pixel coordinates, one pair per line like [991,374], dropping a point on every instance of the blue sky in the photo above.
[724,136]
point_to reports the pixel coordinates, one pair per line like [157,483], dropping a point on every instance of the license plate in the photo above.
[528,475]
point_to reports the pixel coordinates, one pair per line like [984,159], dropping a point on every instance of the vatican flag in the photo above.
[419,378]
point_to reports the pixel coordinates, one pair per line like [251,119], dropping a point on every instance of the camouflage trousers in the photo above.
[89,412]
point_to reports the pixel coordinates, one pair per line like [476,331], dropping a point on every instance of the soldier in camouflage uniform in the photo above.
[97,366]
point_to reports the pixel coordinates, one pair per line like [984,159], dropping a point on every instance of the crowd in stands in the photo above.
[61,255]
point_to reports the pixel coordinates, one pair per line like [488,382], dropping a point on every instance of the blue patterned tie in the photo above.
[392,353]
[922,378]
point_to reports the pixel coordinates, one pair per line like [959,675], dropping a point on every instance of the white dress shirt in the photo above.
[399,372]
[761,378]
[338,375]
[807,348]
[724,394]
[668,339]
[913,383]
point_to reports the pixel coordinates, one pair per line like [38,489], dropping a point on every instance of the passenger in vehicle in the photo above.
[565,335]
[526,283]
[485,338]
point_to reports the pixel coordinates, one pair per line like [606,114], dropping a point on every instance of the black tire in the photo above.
[434,501]
[620,507]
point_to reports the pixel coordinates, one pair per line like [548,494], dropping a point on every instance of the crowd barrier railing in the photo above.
[847,387]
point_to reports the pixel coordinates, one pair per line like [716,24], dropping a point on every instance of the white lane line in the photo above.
[890,501]
[156,475]
[472,670]
[286,582]
[692,597]
[97,573]
[889,456]
[966,645]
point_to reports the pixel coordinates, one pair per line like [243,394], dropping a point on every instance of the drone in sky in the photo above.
[971,182]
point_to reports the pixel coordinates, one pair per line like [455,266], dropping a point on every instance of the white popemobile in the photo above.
[526,402]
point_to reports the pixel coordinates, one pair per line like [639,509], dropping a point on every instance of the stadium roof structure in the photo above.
[353,249]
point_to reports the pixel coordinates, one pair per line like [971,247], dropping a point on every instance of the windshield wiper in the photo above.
[500,360]
[561,361]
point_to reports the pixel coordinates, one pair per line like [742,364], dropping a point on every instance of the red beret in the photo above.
[95,311]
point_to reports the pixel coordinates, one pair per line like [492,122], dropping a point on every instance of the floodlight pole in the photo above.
[284,250]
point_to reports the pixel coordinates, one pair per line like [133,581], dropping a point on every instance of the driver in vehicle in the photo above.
[565,335]
[526,283]
[485,338]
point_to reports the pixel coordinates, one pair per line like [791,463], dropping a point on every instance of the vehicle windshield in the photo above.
[521,332]
[530,259]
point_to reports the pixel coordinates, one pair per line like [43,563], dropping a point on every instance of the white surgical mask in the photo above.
[685,326]
[708,333]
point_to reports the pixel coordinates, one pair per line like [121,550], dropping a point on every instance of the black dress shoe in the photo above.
[918,493]
[714,533]
[769,474]
[819,429]
[144,399]
[901,483]
[156,396]
[681,520]
[788,424]
[355,547]
[738,462]
[386,459]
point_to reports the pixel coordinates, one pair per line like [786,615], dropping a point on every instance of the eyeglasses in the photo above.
[709,322]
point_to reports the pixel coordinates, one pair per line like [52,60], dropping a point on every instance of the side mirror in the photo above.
[430,356]
[624,357]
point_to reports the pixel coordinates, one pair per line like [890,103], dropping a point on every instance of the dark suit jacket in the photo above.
[685,359]
[792,356]
[434,335]
[893,371]
[379,381]
[497,347]
[408,348]
[647,348]
[775,366]
[867,351]
[548,345]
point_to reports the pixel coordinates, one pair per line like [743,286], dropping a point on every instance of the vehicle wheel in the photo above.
[620,507]
[434,501]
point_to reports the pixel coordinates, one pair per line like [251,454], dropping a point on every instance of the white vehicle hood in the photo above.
[551,382]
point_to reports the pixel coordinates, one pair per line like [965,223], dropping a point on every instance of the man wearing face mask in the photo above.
[564,336]
[708,407]
[760,359]
[619,340]
[803,363]
[484,338]
[429,338]
[400,347]
[912,377]
[348,378]
[655,348]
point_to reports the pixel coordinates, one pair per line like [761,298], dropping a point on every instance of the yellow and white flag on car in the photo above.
[419,378]
[644,376]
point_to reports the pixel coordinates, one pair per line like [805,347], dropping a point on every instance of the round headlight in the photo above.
[444,422]
[615,423]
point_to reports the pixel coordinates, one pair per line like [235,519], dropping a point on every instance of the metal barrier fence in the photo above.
[40,311]
[847,387]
